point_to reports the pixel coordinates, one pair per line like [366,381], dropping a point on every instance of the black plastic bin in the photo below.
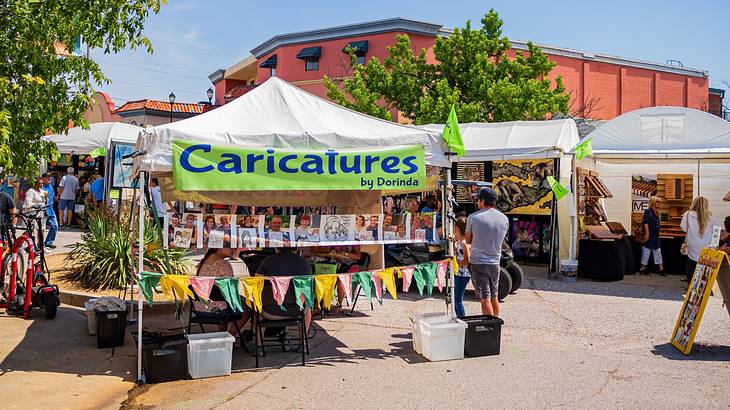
[110,328]
[483,335]
[165,359]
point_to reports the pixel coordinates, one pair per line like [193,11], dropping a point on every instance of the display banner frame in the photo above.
[711,264]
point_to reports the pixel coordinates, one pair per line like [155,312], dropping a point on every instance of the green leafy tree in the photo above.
[473,72]
[43,92]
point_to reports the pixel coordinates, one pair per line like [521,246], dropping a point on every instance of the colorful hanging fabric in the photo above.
[425,275]
[441,268]
[454,266]
[388,277]
[202,286]
[419,274]
[346,280]
[378,286]
[147,283]
[230,293]
[177,284]
[279,287]
[363,279]
[252,289]
[324,287]
[407,274]
[303,291]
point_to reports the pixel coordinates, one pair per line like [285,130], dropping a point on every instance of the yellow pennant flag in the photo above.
[178,284]
[388,277]
[324,288]
[454,266]
[252,289]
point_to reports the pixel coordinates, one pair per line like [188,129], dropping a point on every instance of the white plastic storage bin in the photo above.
[416,320]
[210,354]
[443,341]
[91,316]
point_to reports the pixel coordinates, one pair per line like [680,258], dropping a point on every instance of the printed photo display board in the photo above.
[712,265]
[202,231]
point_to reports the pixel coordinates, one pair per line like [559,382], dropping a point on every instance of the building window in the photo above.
[359,48]
[311,64]
[273,71]
[360,59]
[270,63]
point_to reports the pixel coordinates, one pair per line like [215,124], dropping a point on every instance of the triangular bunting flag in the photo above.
[441,268]
[378,286]
[454,265]
[388,277]
[147,283]
[177,284]
[584,149]
[303,291]
[363,279]
[230,292]
[252,289]
[202,286]
[428,275]
[419,275]
[407,274]
[279,287]
[324,288]
[346,280]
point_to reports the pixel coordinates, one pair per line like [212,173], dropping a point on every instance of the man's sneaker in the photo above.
[50,246]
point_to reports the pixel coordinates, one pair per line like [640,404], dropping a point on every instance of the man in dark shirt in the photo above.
[286,263]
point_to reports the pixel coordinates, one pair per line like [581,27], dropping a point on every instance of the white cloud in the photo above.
[183,6]
[191,35]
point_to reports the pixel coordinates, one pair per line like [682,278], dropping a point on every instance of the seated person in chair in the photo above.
[216,263]
[286,263]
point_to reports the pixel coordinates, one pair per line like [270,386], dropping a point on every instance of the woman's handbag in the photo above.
[683,249]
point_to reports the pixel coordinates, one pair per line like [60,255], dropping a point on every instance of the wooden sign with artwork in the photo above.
[713,265]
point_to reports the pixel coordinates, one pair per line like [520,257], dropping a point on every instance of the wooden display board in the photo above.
[675,190]
[590,191]
[712,265]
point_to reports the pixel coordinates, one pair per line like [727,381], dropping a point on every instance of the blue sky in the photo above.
[194,38]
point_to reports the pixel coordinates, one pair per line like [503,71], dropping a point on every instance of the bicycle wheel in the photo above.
[6,270]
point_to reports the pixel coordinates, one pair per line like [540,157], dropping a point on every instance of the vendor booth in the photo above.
[279,146]
[673,153]
[517,157]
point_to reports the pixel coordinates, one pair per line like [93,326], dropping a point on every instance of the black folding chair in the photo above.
[363,264]
[274,317]
[214,312]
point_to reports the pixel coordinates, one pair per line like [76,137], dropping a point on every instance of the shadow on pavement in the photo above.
[665,288]
[63,345]
[700,352]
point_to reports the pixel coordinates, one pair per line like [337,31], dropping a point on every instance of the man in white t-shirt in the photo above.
[157,200]
[68,188]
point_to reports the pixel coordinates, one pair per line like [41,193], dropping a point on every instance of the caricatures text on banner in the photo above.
[206,167]
[247,232]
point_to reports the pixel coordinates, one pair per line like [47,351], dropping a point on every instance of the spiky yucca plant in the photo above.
[104,259]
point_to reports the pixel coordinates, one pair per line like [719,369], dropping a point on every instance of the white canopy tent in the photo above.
[99,135]
[656,140]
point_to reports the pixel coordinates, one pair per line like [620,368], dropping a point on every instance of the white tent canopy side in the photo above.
[662,140]
[280,115]
[99,135]
[515,140]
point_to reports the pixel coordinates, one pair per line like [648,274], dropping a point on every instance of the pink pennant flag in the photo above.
[202,286]
[378,281]
[407,277]
[279,287]
[443,266]
[346,281]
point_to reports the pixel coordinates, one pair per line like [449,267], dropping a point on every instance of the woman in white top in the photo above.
[698,223]
[35,196]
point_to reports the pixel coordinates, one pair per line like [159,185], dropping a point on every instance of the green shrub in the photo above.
[105,258]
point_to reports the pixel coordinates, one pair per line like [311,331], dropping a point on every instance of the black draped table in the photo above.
[605,260]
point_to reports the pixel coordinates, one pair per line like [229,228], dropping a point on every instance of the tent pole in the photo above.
[140,255]
[448,228]
[553,218]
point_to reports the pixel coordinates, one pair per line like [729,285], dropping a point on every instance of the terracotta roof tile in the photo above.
[190,108]
[238,91]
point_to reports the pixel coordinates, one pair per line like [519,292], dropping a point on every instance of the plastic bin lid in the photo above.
[444,325]
[210,337]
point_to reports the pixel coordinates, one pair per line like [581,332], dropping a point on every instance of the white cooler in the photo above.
[416,320]
[210,354]
[443,340]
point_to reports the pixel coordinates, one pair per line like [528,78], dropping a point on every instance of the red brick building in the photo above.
[603,86]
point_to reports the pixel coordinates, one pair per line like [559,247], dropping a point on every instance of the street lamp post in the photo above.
[210,95]
[171,97]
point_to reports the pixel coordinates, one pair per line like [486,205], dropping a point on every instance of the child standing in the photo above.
[462,278]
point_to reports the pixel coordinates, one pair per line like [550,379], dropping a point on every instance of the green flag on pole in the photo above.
[98,152]
[452,135]
[558,189]
[584,149]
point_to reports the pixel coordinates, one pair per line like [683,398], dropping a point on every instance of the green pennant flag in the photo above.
[430,269]
[98,152]
[147,283]
[558,189]
[419,275]
[230,293]
[364,279]
[303,286]
[584,149]
[452,135]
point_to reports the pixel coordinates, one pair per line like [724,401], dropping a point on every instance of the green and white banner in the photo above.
[204,167]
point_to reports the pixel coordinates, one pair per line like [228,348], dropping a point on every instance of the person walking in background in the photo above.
[51,220]
[462,278]
[651,237]
[157,201]
[68,188]
[35,196]
[698,223]
[485,232]
[97,189]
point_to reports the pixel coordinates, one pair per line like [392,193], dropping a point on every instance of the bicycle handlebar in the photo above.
[33,212]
